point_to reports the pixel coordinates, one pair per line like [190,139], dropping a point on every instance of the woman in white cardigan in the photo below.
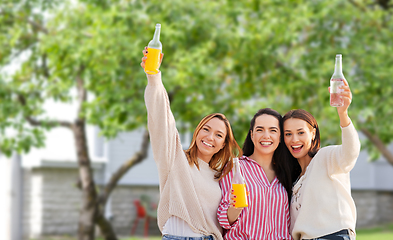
[189,187]
[322,206]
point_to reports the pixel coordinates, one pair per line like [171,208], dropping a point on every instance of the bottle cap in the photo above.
[158,25]
[338,55]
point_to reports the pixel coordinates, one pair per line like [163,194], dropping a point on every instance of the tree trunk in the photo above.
[379,145]
[105,226]
[88,211]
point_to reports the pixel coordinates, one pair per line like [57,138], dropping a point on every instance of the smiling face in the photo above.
[210,139]
[298,136]
[265,135]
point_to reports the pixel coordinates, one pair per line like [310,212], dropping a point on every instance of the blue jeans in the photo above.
[340,235]
[172,237]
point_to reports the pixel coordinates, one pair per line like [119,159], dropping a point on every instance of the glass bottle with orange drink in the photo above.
[239,186]
[154,49]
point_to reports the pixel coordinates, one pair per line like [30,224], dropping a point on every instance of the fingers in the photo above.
[346,96]
[345,82]
[346,91]
[233,198]
[144,51]
[143,62]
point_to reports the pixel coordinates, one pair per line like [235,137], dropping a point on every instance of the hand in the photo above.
[233,212]
[232,201]
[342,111]
[346,96]
[145,57]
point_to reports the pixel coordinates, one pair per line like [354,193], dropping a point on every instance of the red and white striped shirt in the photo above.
[267,214]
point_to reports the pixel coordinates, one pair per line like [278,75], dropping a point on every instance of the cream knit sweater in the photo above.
[321,201]
[188,193]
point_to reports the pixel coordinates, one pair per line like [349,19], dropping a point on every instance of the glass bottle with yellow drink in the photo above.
[239,186]
[154,50]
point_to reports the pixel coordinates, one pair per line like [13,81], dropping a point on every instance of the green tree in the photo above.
[88,52]
[362,32]
[69,54]
[220,56]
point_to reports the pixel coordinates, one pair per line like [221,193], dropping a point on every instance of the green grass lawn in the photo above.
[384,232]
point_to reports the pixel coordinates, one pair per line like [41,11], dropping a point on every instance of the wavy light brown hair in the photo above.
[222,160]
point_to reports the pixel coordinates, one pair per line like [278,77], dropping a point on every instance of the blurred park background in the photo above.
[72,113]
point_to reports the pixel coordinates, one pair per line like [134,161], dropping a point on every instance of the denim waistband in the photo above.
[343,234]
[170,237]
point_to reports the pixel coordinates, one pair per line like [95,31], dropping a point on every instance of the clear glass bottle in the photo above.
[239,186]
[154,49]
[335,82]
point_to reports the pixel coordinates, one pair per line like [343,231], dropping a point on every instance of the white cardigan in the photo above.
[321,201]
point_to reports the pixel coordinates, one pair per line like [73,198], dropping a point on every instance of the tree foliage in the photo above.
[231,57]
[223,56]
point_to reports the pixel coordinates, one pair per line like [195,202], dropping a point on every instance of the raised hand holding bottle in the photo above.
[154,50]
[336,81]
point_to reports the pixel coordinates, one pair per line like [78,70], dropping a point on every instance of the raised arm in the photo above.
[343,157]
[164,136]
[346,95]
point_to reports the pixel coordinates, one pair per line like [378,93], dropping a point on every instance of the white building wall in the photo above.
[122,149]
[5,197]
[376,175]
[51,199]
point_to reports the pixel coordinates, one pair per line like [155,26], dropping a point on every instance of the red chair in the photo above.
[144,210]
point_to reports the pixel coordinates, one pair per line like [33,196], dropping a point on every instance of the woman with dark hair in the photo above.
[322,206]
[189,187]
[268,181]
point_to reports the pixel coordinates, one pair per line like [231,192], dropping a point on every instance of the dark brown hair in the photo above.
[223,157]
[281,164]
[307,117]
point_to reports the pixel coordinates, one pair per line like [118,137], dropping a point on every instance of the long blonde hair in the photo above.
[222,160]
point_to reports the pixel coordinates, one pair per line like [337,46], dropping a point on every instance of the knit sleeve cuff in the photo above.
[350,125]
[154,79]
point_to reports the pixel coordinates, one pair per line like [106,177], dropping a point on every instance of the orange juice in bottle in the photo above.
[154,49]
[239,186]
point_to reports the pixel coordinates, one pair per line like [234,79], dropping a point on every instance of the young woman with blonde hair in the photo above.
[189,187]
